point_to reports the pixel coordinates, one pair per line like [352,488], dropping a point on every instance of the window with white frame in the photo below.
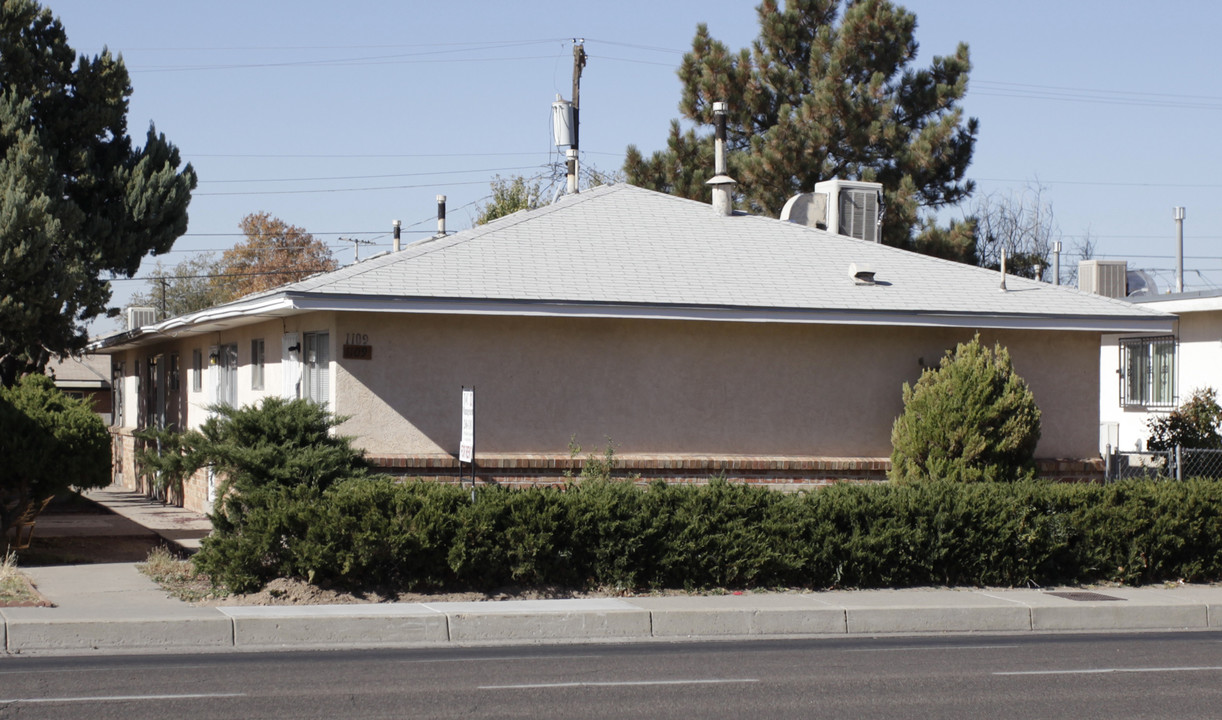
[197,370]
[316,366]
[1147,372]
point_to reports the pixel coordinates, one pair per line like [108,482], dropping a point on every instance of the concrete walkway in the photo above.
[114,608]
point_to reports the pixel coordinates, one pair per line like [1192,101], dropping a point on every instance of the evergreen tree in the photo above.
[50,442]
[77,200]
[825,94]
[971,419]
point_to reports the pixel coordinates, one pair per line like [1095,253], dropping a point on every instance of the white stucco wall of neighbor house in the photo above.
[200,366]
[1198,364]
[674,387]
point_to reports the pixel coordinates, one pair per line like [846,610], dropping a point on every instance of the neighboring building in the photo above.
[87,378]
[1147,375]
[698,344]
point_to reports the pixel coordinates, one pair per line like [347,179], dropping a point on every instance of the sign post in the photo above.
[466,445]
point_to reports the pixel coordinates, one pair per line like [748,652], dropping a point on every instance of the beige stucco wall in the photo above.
[656,386]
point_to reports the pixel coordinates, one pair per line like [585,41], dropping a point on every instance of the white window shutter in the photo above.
[290,366]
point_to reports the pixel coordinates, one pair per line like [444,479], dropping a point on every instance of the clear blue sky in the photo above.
[341,117]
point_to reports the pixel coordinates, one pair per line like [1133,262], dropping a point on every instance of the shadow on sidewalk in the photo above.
[74,530]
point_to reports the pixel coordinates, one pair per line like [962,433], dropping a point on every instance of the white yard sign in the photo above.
[466,447]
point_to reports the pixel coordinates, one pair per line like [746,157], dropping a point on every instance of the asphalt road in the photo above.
[1051,676]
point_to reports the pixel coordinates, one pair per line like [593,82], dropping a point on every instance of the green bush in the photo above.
[277,442]
[379,534]
[49,443]
[972,419]
[1195,424]
[279,460]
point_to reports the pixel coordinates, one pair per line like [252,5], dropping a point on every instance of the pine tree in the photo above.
[825,94]
[77,200]
[971,419]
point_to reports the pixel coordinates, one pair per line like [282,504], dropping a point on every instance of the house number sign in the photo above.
[357,347]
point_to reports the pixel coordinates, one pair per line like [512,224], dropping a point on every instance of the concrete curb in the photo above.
[32,630]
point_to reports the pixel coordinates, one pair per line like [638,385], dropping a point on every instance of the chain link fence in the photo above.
[1177,464]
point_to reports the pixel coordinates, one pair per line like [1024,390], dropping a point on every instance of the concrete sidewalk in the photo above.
[114,608]
[178,527]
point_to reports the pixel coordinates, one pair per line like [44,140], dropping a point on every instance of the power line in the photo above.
[339,190]
[369,177]
[350,62]
[1104,183]
[350,156]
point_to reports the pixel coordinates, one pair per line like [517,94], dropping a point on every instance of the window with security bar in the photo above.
[1147,372]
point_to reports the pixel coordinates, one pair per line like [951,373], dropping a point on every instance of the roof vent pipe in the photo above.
[723,203]
[398,225]
[441,214]
[1179,249]
[1003,269]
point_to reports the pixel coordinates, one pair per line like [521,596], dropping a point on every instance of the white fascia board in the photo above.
[1145,322]
[257,307]
[1180,306]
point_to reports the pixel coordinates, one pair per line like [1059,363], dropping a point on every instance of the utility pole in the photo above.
[579,62]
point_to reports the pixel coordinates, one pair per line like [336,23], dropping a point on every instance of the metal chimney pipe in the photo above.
[1056,263]
[1179,249]
[1003,269]
[441,214]
[571,171]
[719,118]
[723,203]
[398,225]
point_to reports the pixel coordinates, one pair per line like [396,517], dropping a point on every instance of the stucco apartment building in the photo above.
[695,343]
[1145,376]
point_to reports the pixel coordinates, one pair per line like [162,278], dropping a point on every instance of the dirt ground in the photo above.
[283,591]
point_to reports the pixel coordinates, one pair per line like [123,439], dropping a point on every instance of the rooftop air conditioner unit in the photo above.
[138,317]
[847,207]
[1103,277]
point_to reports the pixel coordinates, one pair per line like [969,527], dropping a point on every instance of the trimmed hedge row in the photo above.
[368,534]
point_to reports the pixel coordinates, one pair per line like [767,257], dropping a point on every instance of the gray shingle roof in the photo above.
[622,251]
[622,245]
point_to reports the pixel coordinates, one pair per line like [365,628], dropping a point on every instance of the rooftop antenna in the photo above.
[356,247]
